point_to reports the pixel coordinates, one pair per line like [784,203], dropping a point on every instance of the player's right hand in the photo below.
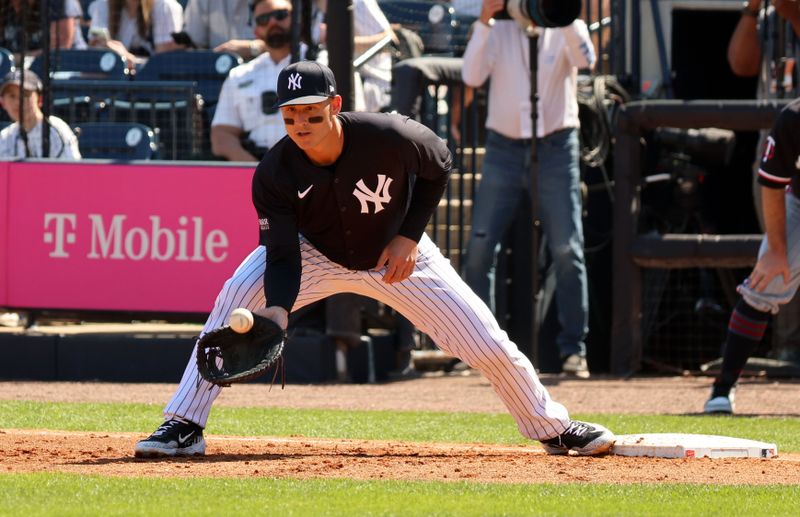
[277,314]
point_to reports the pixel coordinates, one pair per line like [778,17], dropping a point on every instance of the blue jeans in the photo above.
[505,182]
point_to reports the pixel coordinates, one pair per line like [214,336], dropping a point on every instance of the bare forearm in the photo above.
[228,146]
[364,43]
[744,48]
[774,207]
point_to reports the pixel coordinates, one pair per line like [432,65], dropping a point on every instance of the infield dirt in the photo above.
[298,457]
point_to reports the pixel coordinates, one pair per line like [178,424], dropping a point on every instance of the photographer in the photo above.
[245,123]
[498,50]
[765,44]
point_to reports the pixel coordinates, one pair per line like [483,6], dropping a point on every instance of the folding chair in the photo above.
[90,63]
[207,68]
[6,62]
[116,141]
[436,23]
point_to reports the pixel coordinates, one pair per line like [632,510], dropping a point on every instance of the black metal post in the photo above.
[534,194]
[45,21]
[297,11]
[340,48]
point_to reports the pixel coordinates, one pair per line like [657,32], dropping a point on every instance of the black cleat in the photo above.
[582,437]
[173,438]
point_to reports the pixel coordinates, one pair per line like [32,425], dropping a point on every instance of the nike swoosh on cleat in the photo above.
[182,439]
[301,195]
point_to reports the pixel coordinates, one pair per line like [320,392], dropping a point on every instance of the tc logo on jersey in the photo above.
[294,81]
[263,224]
[366,196]
[769,150]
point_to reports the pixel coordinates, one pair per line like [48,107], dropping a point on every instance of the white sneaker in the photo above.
[719,405]
[9,319]
[173,438]
[582,437]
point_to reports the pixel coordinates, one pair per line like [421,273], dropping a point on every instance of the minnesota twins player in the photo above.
[776,275]
[343,202]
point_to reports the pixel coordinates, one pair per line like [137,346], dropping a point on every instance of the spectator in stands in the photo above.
[74,11]
[369,27]
[245,122]
[23,138]
[223,26]
[135,29]
[13,29]
[498,50]
[776,69]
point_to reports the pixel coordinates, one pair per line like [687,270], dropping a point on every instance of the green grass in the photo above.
[61,494]
[67,494]
[385,425]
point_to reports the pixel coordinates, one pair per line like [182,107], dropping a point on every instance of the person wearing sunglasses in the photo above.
[223,26]
[245,122]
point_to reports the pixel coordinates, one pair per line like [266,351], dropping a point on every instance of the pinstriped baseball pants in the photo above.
[778,293]
[434,298]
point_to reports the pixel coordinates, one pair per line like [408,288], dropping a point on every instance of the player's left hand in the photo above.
[399,257]
[769,265]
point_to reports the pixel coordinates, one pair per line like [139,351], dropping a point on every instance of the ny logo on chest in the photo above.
[379,196]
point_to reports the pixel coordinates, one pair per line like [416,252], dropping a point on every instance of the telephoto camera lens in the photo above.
[544,13]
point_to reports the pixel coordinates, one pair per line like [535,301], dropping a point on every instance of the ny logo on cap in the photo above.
[294,81]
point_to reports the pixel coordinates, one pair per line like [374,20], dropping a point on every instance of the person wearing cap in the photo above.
[245,122]
[23,138]
[498,51]
[342,204]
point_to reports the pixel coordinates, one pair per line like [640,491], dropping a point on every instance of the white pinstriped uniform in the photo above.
[434,298]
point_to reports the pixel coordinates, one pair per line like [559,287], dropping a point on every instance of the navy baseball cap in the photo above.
[305,82]
[32,81]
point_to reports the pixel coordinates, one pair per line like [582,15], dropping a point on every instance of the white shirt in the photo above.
[165,21]
[211,23]
[500,53]
[467,7]
[240,102]
[63,143]
[368,19]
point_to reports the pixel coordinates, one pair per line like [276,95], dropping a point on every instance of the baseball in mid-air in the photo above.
[241,320]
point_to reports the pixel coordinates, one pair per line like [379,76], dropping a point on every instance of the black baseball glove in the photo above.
[225,356]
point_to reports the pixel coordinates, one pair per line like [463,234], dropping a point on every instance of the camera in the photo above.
[543,13]
[268,100]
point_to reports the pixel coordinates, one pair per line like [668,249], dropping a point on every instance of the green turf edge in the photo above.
[69,494]
[378,425]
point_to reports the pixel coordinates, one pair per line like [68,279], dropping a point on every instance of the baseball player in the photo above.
[342,203]
[776,275]
[27,143]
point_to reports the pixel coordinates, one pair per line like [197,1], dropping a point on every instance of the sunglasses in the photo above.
[279,15]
